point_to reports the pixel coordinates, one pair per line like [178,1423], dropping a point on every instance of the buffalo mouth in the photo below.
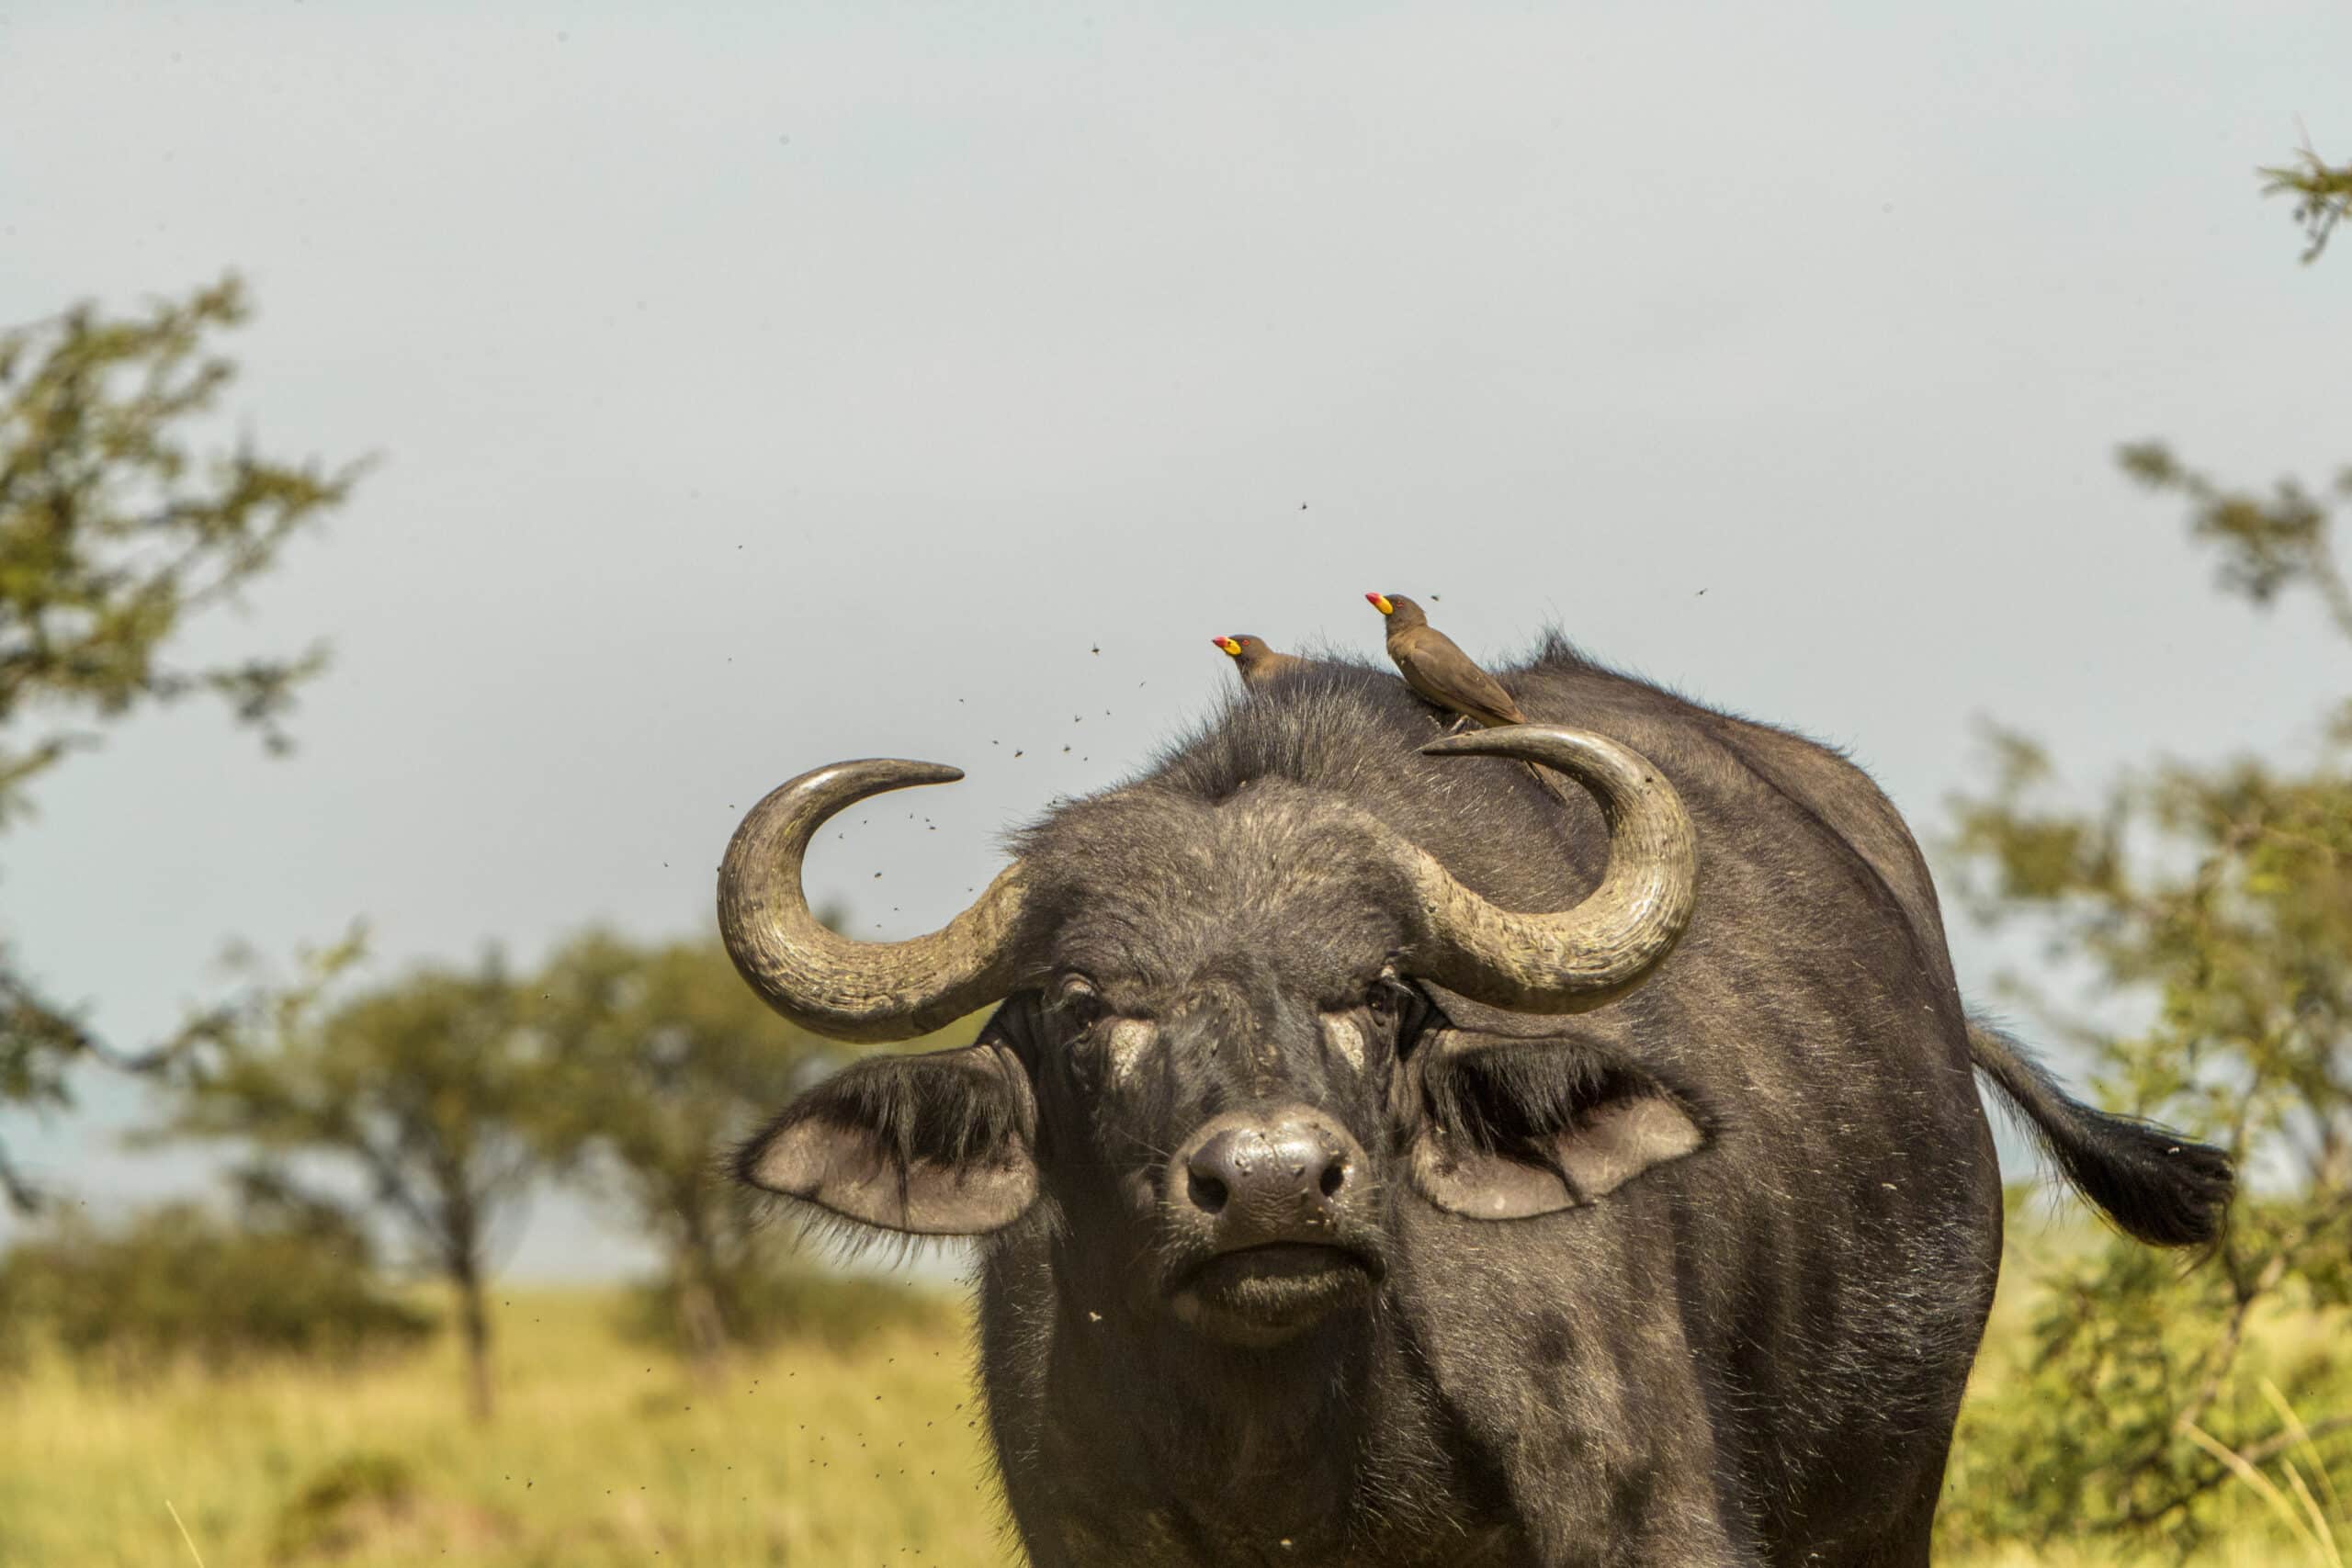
[1262,1295]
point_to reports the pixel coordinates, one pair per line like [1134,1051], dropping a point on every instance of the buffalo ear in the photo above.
[936,1145]
[1513,1130]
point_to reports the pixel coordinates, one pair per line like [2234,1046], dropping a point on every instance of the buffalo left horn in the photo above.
[1573,959]
[825,982]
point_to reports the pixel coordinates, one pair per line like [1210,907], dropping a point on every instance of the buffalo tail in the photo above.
[2155,1184]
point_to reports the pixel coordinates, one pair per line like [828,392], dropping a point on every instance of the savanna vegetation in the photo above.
[319,1364]
[117,531]
[2212,899]
[849,1445]
[845,1440]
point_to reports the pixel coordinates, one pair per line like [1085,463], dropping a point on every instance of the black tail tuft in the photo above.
[2158,1186]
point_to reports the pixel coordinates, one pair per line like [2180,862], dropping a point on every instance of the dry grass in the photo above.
[601,1454]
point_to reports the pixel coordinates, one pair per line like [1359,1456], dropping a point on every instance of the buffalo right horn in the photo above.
[1579,958]
[825,982]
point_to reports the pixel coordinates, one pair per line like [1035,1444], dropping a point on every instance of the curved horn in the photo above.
[1579,958]
[825,982]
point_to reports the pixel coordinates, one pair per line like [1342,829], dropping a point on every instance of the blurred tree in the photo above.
[663,1057]
[286,1276]
[113,537]
[2220,894]
[425,1088]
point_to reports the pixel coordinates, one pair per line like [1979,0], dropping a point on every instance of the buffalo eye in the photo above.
[1077,1006]
[1393,1004]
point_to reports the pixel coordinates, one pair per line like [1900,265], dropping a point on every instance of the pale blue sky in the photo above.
[707,350]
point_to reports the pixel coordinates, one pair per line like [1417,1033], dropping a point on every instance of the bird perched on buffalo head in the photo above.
[1255,661]
[1446,676]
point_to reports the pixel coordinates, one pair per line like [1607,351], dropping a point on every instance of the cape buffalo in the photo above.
[1379,1163]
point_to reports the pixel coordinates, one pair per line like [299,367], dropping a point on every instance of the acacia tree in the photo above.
[114,535]
[424,1089]
[2219,896]
[661,1057]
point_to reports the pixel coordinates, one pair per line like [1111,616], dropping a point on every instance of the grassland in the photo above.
[599,1454]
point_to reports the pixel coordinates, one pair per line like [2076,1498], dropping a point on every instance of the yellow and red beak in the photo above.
[1380,602]
[1228,644]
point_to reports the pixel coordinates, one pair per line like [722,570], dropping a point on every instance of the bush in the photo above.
[182,1281]
[768,1303]
[373,1505]
[327,1515]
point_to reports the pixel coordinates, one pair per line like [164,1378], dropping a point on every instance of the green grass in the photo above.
[601,1453]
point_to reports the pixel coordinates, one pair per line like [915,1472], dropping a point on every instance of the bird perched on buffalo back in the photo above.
[1444,675]
[1439,670]
[1256,662]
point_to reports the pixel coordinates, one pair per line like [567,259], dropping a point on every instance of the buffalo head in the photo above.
[1227,1046]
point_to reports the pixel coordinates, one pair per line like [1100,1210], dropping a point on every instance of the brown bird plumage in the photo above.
[1447,678]
[1256,662]
[1439,670]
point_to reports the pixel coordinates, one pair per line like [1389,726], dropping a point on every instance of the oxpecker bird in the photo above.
[1446,676]
[1439,670]
[1255,661]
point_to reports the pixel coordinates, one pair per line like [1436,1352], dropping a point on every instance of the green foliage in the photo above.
[331,1513]
[663,1055]
[2218,898]
[285,1278]
[2323,193]
[423,1089]
[662,1059]
[115,534]
[2268,544]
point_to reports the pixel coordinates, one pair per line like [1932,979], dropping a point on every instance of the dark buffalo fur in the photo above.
[2150,1181]
[1750,1351]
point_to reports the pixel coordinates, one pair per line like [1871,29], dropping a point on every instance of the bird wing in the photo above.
[1441,671]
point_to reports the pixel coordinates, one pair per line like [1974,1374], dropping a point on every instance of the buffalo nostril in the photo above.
[1264,1175]
[1208,1194]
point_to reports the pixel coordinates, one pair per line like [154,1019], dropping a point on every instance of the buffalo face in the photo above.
[1193,1093]
[1218,1071]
